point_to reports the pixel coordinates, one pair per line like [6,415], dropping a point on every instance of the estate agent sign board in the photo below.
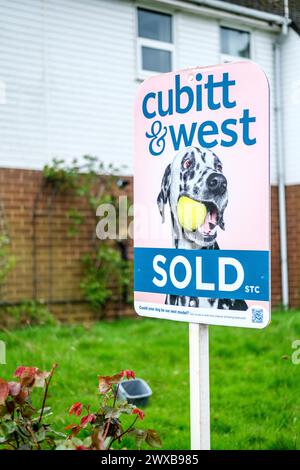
[201,196]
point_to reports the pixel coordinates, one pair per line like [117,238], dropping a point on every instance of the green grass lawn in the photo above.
[255,393]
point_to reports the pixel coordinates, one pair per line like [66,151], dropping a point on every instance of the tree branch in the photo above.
[123,433]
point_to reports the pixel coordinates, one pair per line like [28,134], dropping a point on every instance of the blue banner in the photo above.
[232,274]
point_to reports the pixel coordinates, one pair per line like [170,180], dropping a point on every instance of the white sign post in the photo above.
[199,387]
[202,205]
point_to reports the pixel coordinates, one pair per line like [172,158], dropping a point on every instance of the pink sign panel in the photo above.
[201,196]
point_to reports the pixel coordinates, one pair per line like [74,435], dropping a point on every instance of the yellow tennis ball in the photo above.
[191,214]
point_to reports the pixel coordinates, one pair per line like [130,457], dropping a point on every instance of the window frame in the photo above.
[142,74]
[234,58]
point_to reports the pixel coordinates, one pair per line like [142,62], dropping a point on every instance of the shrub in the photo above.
[102,428]
[21,423]
[7,261]
[105,276]
[23,427]
[27,313]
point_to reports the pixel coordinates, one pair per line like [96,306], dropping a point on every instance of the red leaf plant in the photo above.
[140,413]
[129,374]
[76,409]
[90,418]
[102,428]
[23,427]
[22,424]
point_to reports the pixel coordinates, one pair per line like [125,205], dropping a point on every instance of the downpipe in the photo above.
[280,160]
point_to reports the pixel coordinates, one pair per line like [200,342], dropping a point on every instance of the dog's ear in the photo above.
[164,193]
[222,223]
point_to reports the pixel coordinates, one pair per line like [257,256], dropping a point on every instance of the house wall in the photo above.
[69,67]
[69,71]
[58,269]
[291,106]
[48,261]
[68,77]
[58,265]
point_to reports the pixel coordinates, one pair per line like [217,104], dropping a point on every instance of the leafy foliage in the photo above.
[22,425]
[7,261]
[102,428]
[106,273]
[27,313]
[76,220]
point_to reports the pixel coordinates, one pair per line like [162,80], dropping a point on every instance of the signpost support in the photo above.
[199,386]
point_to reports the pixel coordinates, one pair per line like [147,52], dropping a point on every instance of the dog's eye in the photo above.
[219,167]
[186,164]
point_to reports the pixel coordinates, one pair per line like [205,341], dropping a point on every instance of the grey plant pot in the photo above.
[137,392]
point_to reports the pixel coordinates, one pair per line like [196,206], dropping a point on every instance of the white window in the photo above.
[155,47]
[235,44]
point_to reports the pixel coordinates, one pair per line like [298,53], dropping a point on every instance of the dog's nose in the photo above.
[217,183]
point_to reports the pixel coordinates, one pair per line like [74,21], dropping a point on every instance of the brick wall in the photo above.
[55,274]
[293,240]
[275,249]
[58,281]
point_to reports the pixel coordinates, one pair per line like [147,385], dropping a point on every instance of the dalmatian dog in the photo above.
[197,174]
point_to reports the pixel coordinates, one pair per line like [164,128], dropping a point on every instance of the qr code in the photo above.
[257,315]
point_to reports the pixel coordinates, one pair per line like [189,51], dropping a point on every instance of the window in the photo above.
[234,43]
[155,46]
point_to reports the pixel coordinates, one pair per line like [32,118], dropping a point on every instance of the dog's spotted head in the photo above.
[197,175]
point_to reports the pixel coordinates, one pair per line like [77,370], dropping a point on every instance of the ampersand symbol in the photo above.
[157,135]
